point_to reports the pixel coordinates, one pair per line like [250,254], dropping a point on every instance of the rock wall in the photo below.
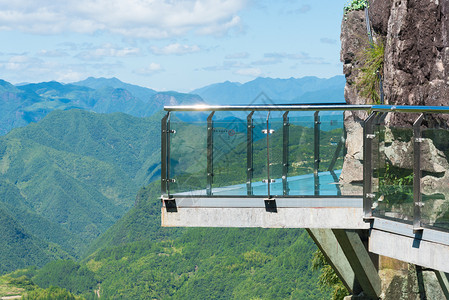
[416,72]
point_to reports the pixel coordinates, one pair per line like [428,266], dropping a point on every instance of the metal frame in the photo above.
[417,197]
[317,107]
[377,113]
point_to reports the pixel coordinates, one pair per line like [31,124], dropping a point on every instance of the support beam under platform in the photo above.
[331,249]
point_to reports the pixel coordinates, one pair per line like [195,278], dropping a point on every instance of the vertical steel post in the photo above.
[249,153]
[417,197]
[210,153]
[316,151]
[164,154]
[268,155]
[368,136]
[285,162]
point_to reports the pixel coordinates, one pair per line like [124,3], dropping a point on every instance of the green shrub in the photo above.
[371,71]
[328,278]
[355,5]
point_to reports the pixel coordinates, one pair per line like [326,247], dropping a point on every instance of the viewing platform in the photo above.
[356,176]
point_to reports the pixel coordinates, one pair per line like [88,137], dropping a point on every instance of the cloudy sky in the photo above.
[169,44]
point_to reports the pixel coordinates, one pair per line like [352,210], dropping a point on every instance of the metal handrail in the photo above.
[312,107]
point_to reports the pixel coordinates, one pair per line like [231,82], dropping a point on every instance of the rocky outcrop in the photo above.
[415,34]
[416,64]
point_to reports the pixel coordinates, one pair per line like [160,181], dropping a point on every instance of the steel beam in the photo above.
[316,151]
[285,144]
[249,153]
[368,135]
[417,201]
[210,153]
[164,154]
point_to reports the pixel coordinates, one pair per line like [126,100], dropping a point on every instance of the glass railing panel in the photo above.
[276,151]
[301,154]
[229,156]
[259,185]
[331,152]
[393,167]
[435,176]
[351,176]
[188,154]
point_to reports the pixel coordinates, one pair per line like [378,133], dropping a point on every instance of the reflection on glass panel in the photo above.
[394,171]
[331,147]
[301,154]
[188,157]
[259,185]
[229,156]
[435,180]
[275,153]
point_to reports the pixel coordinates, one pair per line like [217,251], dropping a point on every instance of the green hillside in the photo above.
[68,178]
[140,260]
[19,247]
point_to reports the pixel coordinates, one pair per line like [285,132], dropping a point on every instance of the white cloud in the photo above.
[328,41]
[70,76]
[303,57]
[176,49]
[52,53]
[151,69]
[107,50]
[238,55]
[253,72]
[131,18]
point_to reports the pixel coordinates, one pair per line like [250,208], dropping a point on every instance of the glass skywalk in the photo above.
[394,159]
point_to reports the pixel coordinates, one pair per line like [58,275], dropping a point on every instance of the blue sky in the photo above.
[169,45]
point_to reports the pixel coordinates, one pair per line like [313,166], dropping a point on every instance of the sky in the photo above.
[175,45]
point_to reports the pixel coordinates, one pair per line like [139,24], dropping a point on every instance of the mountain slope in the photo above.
[269,91]
[75,173]
[144,94]
[20,248]
[140,260]
[29,103]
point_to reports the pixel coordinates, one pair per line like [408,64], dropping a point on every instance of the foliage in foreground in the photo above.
[328,278]
[52,293]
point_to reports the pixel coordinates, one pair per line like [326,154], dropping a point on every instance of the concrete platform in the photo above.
[330,212]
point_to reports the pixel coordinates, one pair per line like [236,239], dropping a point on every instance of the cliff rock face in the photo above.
[415,34]
[416,63]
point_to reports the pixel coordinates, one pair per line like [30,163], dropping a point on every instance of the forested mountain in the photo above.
[280,91]
[28,103]
[71,176]
[138,259]
[66,179]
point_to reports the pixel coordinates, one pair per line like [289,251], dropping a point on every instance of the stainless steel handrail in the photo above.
[318,107]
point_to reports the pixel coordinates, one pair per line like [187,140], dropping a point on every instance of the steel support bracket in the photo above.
[169,204]
[270,205]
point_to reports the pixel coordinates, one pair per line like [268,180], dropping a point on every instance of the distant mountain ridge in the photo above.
[24,104]
[27,103]
[286,91]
